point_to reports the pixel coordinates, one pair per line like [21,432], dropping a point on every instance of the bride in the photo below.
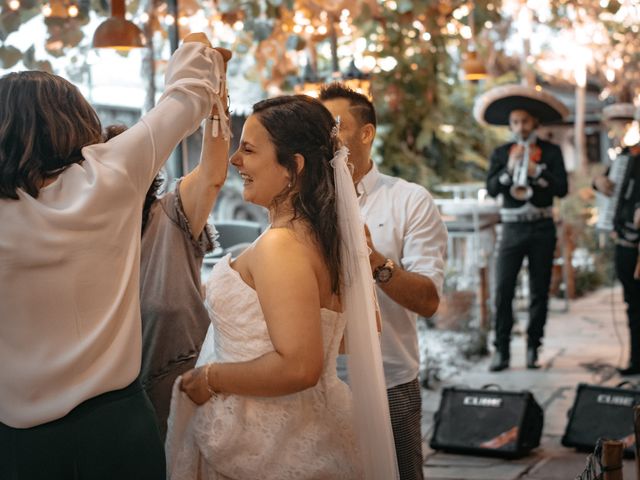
[265,402]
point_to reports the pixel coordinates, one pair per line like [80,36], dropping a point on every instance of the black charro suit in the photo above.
[533,238]
[626,254]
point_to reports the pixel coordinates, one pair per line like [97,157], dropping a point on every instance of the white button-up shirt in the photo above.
[406,227]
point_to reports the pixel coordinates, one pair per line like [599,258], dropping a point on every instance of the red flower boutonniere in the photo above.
[635,150]
[535,152]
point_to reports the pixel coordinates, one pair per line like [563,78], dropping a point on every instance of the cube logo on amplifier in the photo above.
[619,400]
[602,412]
[477,401]
[499,423]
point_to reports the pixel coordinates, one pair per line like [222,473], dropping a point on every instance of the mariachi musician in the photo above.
[528,172]
[626,225]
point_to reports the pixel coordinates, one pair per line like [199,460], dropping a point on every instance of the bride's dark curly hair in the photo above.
[298,124]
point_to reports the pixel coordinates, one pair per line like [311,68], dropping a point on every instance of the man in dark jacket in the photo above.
[528,173]
[626,224]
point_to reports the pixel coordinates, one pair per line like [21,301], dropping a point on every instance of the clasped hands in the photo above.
[515,157]
[226,56]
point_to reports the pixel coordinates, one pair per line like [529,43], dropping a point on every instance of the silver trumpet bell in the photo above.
[520,189]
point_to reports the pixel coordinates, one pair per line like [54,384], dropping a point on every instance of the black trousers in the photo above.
[625,259]
[536,241]
[111,436]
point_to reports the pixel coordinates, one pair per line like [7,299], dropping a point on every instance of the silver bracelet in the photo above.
[206,376]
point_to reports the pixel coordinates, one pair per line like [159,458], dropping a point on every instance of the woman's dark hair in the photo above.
[299,124]
[152,194]
[44,124]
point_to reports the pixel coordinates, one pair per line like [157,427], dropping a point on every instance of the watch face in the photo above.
[384,274]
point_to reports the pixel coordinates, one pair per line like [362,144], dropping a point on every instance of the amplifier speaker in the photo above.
[488,422]
[602,412]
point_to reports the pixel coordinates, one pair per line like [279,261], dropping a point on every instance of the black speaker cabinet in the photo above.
[488,422]
[602,412]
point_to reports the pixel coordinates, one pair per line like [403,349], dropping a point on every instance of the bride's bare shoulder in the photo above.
[284,242]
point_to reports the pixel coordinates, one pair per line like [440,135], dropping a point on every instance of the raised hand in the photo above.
[202,38]
[197,37]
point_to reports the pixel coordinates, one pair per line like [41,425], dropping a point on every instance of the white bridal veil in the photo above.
[364,358]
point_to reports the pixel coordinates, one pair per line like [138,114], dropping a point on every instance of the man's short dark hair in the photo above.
[359,104]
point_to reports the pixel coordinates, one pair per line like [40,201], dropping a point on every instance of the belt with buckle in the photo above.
[512,215]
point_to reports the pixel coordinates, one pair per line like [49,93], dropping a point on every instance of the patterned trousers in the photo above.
[405,407]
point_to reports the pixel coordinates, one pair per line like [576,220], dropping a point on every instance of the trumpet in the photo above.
[521,190]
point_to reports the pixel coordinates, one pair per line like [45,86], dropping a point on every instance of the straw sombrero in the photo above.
[619,111]
[495,106]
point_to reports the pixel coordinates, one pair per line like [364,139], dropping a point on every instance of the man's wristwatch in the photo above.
[384,272]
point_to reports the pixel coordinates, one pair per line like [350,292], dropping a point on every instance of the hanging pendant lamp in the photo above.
[473,68]
[116,32]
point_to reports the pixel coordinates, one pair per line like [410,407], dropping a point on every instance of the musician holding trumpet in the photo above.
[625,223]
[528,172]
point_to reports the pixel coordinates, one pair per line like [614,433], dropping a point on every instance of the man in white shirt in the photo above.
[408,241]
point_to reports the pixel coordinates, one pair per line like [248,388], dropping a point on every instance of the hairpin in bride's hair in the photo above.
[336,128]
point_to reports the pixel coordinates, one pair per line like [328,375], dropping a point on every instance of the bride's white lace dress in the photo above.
[305,435]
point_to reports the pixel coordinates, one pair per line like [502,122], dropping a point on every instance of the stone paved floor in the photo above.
[582,345]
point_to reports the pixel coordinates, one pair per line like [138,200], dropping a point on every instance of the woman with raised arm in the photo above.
[175,238]
[71,404]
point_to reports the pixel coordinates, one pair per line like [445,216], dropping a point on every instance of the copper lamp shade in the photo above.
[116,32]
[474,69]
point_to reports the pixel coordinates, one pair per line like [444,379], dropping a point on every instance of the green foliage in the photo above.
[9,56]
[428,133]
[63,33]
[427,130]
[577,213]
[29,60]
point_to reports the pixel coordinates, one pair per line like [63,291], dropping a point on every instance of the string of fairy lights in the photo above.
[588,47]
